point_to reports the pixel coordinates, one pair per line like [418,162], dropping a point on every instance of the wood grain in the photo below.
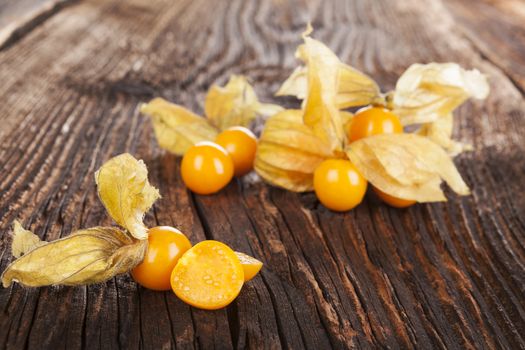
[496,29]
[448,275]
[18,17]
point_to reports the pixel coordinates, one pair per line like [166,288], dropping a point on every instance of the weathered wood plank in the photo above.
[496,29]
[18,17]
[447,275]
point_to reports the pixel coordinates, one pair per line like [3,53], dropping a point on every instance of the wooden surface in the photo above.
[448,275]
[18,17]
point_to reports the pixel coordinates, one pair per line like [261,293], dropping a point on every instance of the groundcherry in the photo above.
[165,246]
[206,168]
[393,201]
[208,276]
[373,121]
[338,184]
[241,145]
[250,265]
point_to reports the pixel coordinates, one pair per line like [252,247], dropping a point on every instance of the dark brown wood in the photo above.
[448,275]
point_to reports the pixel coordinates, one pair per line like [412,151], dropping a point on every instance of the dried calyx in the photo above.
[95,254]
[409,166]
[235,104]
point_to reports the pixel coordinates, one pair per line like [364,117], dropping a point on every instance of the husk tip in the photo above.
[16,225]
[309,29]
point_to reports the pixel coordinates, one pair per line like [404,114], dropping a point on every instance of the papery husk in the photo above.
[320,110]
[177,128]
[235,104]
[87,256]
[327,85]
[354,88]
[23,240]
[296,84]
[125,191]
[406,166]
[427,92]
[346,119]
[440,132]
[295,181]
[288,152]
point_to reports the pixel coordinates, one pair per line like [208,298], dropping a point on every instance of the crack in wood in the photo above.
[13,31]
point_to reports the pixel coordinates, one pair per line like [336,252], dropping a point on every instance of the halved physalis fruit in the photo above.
[393,201]
[370,121]
[250,265]
[208,276]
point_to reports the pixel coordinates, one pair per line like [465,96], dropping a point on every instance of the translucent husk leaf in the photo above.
[288,152]
[427,92]
[268,109]
[125,191]
[87,256]
[296,84]
[23,240]
[346,119]
[406,166]
[320,110]
[354,87]
[177,128]
[440,131]
[295,181]
[327,85]
[235,104]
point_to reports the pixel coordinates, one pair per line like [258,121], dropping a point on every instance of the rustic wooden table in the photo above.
[448,275]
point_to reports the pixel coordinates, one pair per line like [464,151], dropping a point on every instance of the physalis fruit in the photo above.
[339,185]
[405,166]
[241,145]
[235,104]
[393,201]
[206,168]
[165,246]
[94,254]
[373,121]
[250,265]
[208,276]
